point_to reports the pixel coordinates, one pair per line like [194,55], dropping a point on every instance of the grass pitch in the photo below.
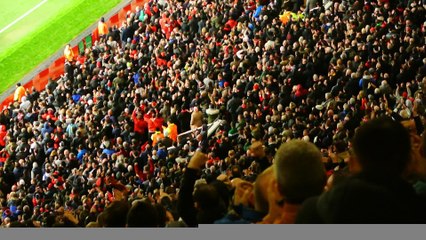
[42,32]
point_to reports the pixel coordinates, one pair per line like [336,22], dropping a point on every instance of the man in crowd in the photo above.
[317,77]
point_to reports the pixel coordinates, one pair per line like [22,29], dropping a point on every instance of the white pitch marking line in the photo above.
[24,15]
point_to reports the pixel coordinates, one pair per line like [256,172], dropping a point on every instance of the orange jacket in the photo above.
[19,93]
[156,137]
[69,53]
[102,28]
[172,131]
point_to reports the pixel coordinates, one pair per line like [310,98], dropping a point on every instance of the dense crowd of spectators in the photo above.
[121,131]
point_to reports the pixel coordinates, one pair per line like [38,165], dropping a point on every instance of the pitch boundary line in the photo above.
[23,16]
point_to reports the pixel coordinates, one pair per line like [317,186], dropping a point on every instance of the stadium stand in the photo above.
[254,107]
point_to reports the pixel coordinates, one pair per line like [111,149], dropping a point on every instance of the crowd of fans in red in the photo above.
[104,139]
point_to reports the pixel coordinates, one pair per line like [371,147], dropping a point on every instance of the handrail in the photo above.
[212,127]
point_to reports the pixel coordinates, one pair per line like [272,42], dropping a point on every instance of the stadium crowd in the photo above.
[124,131]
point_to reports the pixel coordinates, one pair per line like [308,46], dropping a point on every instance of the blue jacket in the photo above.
[242,215]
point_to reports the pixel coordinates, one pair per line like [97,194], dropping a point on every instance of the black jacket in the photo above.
[366,199]
[185,204]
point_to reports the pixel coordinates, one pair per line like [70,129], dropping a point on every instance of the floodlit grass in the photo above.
[11,10]
[70,18]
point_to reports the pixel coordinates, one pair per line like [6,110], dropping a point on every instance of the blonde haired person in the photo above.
[68,53]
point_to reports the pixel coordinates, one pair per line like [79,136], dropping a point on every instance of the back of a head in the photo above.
[162,215]
[223,191]
[142,214]
[382,146]
[206,196]
[211,206]
[112,215]
[299,171]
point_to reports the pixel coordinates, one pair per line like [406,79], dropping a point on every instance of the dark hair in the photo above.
[236,172]
[142,214]
[211,204]
[112,215]
[162,215]
[382,145]
[17,224]
[48,219]
[223,191]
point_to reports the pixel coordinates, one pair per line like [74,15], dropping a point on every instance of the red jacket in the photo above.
[51,114]
[149,120]
[161,62]
[3,133]
[300,92]
[158,122]
[230,24]
[4,155]
[139,170]
[140,125]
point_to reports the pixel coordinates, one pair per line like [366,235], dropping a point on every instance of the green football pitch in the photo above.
[33,30]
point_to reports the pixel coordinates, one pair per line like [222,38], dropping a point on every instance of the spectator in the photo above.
[377,194]
[68,53]
[142,214]
[271,81]
[298,175]
[140,126]
[196,118]
[249,204]
[206,205]
[112,215]
[102,29]
[20,92]
[157,136]
[415,172]
[212,114]
[171,131]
